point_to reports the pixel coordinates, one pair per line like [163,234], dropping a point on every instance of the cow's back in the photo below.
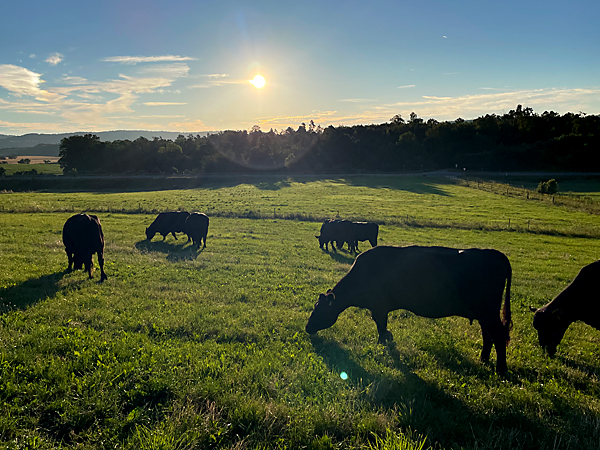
[429,281]
[82,233]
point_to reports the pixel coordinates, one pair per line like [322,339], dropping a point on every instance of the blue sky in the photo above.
[185,65]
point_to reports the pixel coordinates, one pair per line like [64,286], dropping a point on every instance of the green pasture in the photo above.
[183,349]
[49,169]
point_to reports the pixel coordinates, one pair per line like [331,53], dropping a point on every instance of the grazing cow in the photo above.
[168,222]
[576,302]
[196,227]
[366,231]
[339,231]
[429,281]
[82,236]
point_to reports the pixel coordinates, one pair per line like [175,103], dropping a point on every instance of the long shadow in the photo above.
[28,293]
[175,252]
[345,258]
[434,412]
[416,184]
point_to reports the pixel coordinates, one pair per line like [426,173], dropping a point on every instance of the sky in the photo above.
[186,66]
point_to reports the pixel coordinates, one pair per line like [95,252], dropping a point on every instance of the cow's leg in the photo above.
[173,233]
[498,336]
[381,319]
[89,267]
[101,264]
[487,345]
[70,257]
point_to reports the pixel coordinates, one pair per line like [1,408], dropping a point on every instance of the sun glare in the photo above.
[258,81]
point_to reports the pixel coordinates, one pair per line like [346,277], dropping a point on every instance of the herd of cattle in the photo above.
[431,282]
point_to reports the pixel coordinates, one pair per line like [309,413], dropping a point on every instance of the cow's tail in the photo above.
[506,314]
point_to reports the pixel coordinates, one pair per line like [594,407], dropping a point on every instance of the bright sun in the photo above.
[258,81]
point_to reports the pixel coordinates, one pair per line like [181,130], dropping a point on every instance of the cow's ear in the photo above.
[532,309]
[317,237]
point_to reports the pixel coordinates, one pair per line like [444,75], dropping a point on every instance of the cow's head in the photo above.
[149,234]
[321,240]
[324,315]
[551,327]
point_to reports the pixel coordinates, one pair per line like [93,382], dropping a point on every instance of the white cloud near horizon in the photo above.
[54,58]
[147,59]
[82,103]
[20,81]
[406,86]
[450,108]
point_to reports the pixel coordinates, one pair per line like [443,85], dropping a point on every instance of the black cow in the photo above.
[578,301]
[429,281]
[168,222]
[339,231]
[365,231]
[196,227]
[82,236]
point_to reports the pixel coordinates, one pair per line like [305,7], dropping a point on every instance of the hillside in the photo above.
[32,140]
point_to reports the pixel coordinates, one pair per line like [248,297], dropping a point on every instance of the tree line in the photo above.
[518,140]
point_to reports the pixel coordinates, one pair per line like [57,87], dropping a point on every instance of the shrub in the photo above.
[548,187]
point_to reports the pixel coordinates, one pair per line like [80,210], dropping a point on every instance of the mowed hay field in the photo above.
[184,349]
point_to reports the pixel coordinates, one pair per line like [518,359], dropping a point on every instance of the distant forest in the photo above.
[518,140]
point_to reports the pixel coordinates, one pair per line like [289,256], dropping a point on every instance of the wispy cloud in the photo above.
[20,81]
[406,86]
[176,70]
[54,59]
[190,126]
[81,103]
[357,100]
[471,106]
[216,80]
[147,59]
[73,80]
[162,104]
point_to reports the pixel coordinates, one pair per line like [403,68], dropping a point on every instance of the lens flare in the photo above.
[258,81]
[344,376]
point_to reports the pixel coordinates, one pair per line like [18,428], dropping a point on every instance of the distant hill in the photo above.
[37,150]
[32,140]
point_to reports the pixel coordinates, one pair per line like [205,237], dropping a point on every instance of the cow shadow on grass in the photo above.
[422,405]
[341,257]
[178,251]
[413,184]
[30,292]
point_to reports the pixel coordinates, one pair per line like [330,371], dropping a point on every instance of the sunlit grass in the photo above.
[179,349]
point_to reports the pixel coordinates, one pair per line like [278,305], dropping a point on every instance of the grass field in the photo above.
[51,169]
[184,349]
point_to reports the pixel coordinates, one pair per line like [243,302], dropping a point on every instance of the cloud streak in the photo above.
[147,59]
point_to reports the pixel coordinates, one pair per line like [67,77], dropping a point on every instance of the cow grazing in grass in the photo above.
[82,236]
[366,231]
[168,222]
[196,227]
[338,231]
[578,301]
[431,282]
